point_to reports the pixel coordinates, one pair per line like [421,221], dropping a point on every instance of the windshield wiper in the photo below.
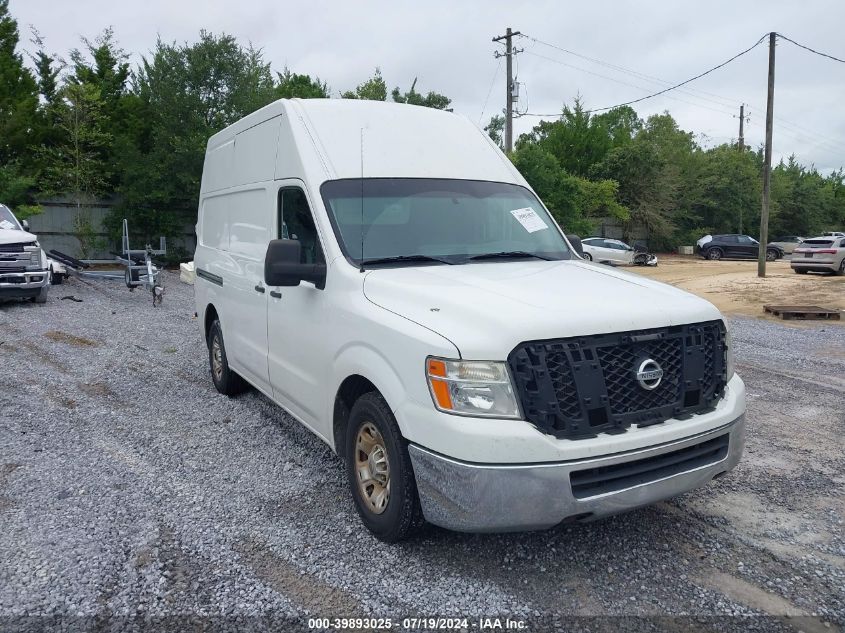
[404,258]
[509,254]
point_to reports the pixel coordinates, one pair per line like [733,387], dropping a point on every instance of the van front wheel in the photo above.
[379,470]
[225,380]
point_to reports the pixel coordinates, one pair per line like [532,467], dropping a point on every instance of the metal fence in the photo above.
[56,228]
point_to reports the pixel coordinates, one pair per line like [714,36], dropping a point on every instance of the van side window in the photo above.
[297,223]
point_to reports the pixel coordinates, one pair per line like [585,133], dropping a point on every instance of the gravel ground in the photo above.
[130,488]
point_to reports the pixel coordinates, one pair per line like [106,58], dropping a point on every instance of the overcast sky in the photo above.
[447,45]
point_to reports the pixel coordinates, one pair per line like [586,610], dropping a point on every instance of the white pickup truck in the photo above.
[24,268]
[385,274]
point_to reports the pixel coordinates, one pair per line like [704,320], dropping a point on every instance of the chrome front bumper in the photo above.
[29,280]
[500,498]
[23,284]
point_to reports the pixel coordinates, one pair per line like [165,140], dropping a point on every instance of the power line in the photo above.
[619,81]
[664,91]
[722,100]
[807,134]
[490,91]
[812,50]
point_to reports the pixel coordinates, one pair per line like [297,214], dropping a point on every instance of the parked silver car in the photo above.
[787,243]
[616,252]
[820,254]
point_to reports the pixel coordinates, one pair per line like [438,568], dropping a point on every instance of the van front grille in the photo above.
[582,386]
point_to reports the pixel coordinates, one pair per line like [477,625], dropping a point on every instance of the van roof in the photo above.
[348,137]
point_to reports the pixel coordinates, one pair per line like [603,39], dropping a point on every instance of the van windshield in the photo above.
[423,221]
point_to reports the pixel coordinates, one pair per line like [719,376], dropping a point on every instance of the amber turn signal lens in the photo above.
[441,393]
[436,367]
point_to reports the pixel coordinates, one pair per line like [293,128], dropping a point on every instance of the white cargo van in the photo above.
[384,274]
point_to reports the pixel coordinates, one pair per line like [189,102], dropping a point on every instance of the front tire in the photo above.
[714,254]
[588,257]
[225,380]
[771,255]
[800,271]
[41,297]
[379,470]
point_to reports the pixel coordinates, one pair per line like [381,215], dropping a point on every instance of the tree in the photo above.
[47,69]
[374,89]
[431,100]
[495,130]
[15,190]
[107,69]
[76,166]
[18,92]
[620,124]
[290,86]
[576,140]
[182,95]
[572,200]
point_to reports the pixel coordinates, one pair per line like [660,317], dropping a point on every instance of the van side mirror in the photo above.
[576,243]
[283,268]
[25,225]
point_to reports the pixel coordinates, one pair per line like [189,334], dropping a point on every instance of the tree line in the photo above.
[91,126]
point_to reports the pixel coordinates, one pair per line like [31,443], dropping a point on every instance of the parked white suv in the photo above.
[385,274]
[24,268]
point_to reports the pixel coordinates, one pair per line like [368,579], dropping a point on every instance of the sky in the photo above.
[447,46]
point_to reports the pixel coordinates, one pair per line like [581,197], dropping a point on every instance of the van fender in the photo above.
[360,359]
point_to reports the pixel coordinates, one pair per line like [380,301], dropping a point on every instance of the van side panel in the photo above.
[250,218]
[288,163]
[214,225]
[217,172]
[255,152]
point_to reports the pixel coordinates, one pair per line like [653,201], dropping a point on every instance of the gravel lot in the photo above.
[129,487]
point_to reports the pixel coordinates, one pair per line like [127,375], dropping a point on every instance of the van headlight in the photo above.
[729,355]
[476,388]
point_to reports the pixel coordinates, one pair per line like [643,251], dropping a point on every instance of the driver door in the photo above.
[296,315]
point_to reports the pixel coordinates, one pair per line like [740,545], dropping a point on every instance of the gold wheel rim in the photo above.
[372,468]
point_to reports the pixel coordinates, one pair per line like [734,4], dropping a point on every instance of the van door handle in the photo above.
[275,294]
[260,289]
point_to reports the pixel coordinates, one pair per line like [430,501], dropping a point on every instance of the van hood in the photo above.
[14,236]
[487,309]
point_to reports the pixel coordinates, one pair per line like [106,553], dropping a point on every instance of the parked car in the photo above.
[787,243]
[735,246]
[615,252]
[384,273]
[24,268]
[820,254]
[833,234]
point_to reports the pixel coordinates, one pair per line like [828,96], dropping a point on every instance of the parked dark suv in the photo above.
[735,247]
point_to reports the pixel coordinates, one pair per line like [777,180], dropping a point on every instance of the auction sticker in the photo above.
[529,219]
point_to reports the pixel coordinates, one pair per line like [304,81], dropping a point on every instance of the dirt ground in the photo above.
[132,492]
[735,288]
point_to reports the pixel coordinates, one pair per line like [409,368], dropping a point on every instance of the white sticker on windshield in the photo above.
[529,219]
[5,224]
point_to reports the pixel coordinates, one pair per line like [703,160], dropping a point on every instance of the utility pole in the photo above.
[767,163]
[509,99]
[741,147]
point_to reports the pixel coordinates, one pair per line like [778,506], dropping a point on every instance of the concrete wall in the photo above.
[54,227]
